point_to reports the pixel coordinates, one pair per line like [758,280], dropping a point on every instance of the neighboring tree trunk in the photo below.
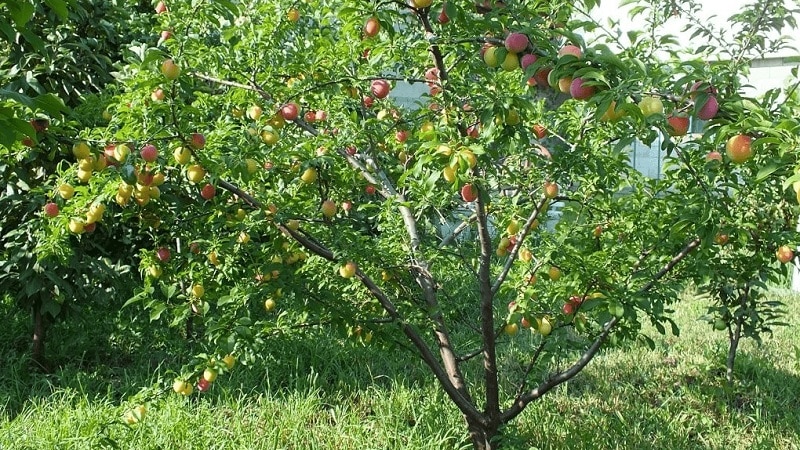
[39,332]
[734,335]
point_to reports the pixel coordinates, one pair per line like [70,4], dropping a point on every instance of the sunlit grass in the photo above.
[349,397]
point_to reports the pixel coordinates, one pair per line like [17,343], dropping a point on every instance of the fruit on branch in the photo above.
[269,137]
[161,7]
[210,374]
[163,254]
[81,150]
[550,189]
[554,273]
[182,155]
[721,239]
[158,95]
[121,152]
[564,84]
[511,62]
[309,175]
[570,49]
[51,209]
[293,15]
[208,191]
[490,57]
[511,329]
[197,140]
[197,291]
[526,60]
[469,193]
[203,385]
[310,116]
[516,42]
[612,114]
[544,326]
[182,387]
[371,27]
[95,213]
[443,18]
[525,255]
[784,253]
[155,271]
[195,173]
[449,174]
[709,109]
[289,111]
[467,155]
[170,70]
[401,136]
[539,131]
[738,148]
[380,88]
[568,308]
[580,90]
[254,112]
[229,361]
[651,105]
[149,153]
[598,231]
[512,117]
[369,189]
[512,228]
[714,156]
[328,208]
[76,226]
[348,270]
[419,4]
[678,124]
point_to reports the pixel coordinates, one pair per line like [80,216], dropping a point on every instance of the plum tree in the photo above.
[425,212]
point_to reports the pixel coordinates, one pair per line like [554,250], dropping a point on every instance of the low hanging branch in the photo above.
[522,399]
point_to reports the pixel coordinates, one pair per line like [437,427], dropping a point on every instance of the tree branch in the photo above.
[521,401]
[487,315]
[513,256]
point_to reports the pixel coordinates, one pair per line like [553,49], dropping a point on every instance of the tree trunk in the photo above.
[483,438]
[39,331]
[734,335]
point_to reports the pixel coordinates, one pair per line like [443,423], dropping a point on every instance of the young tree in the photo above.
[286,181]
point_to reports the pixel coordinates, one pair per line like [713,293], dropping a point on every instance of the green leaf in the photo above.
[155,314]
[59,6]
[766,171]
[21,12]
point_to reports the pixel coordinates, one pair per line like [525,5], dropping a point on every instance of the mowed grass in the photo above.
[316,393]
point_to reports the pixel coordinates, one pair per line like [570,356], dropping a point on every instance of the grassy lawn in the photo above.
[348,397]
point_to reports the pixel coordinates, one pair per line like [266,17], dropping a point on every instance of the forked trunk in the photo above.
[483,438]
[39,331]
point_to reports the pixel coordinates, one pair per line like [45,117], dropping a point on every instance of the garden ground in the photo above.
[355,397]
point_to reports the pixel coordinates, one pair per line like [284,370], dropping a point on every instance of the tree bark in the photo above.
[483,437]
[734,335]
[39,334]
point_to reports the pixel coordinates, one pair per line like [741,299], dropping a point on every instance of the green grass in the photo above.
[349,397]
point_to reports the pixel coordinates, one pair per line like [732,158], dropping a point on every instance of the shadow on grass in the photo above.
[652,405]
[97,359]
